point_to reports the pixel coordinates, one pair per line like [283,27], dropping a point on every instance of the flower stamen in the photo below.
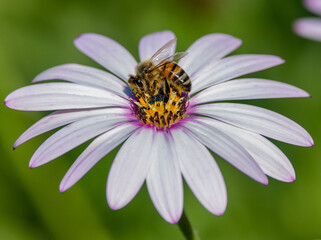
[162,109]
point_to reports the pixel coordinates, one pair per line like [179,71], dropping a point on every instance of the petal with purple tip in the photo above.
[164,180]
[226,147]
[150,43]
[107,53]
[272,160]
[206,49]
[309,28]
[313,5]
[100,147]
[232,67]
[258,120]
[250,88]
[56,96]
[200,171]
[130,168]
[84,75]
[63,117]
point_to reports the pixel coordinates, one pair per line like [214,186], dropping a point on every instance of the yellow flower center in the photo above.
[161,109]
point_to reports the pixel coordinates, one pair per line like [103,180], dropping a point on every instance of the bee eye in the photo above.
[138,82]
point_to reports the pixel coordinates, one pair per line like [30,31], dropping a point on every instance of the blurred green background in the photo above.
[38,34]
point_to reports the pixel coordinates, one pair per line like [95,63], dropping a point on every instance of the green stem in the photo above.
[187,229]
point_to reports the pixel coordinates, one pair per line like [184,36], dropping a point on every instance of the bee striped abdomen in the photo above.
[177,77]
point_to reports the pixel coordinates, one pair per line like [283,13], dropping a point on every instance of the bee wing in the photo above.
[177,56]
[164,52]
[174,57]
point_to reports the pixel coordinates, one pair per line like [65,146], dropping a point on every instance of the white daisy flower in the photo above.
[166,132]
[310,27]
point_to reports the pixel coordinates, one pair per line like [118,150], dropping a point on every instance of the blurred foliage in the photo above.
[38,34]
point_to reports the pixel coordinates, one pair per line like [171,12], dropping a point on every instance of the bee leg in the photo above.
[166,90]
[167,87]
[155,88]
[146,87]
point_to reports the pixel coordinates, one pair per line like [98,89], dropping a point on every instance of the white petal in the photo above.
[309,28]
[63,117]
[85,75]
[258,120]
[226,147]
[107,53]
[272,160]
[206,49]
[55,96]
[201,172]
[130,168]
[100,147]
[164,181]
[150,43]
[72,136]
[249,88]
[232,67]
[313,5]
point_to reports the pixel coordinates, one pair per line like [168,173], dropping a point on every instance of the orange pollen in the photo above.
[162,109]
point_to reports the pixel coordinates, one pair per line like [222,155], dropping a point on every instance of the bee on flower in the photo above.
[171,103]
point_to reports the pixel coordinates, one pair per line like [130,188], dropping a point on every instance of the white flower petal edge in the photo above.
[232,67]
[309,28]
[149,44]
[226,147]
[63,117]
[99,148]
[164,180]
[130,167]
[258,120]
[250,88]
[206,50]
[72,136]
[272,160]
[57,96]
[107,53]
[313,5]
[85,75]
[200,171]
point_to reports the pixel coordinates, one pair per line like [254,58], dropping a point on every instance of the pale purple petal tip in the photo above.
[113,207]
[174,221]
[62,189]
[220,213]
[313,5]
[59,95]
[309,28]
[7,102]
[32,165]
[266,182]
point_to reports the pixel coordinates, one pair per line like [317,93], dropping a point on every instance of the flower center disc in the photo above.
[162,109]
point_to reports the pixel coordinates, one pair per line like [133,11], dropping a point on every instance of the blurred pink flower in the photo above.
[310,27]
[96,104]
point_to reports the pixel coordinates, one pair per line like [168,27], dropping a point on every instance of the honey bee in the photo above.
[161,71]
